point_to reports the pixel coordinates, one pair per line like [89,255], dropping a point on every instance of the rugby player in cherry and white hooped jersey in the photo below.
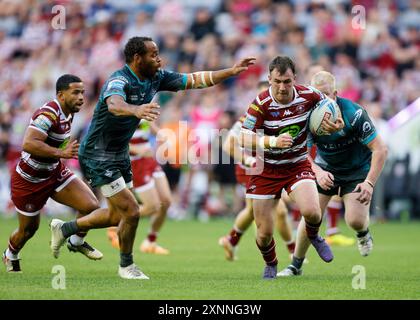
[244,161]
[276,121]
[40,174]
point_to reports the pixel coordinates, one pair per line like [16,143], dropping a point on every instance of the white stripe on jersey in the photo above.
[286,150]
[40,130]
[27,177]
[282,123]
[57,136]
[37,165]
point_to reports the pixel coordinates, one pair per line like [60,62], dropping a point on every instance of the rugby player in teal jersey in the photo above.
[126,98]
[348,163]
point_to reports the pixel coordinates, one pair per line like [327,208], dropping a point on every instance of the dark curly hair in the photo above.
[135,45]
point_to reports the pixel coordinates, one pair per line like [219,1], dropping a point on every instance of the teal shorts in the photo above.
[99,173]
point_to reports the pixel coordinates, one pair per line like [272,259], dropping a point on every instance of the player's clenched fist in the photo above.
[284,140]
[71,150]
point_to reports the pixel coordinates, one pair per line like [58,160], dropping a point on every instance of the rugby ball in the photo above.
[324,109]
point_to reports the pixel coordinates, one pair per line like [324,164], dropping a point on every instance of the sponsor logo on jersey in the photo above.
[293,130]
[275,113]
[366,126]
[64,144]
[115,84]
[287,113]
[115,185]
[134,97]
[50,114]
[250,121]
[305,175]
[42,122]
[256,108]
[357,116]
[300,109]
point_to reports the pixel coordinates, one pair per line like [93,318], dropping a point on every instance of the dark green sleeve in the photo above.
[365,129]
[172,81]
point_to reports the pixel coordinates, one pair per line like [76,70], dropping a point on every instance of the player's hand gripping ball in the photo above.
[324,109]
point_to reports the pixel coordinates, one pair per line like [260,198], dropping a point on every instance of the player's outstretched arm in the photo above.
[34,143]
[204,79]
[118,107]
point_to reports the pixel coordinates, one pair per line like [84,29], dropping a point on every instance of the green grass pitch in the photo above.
[196,268]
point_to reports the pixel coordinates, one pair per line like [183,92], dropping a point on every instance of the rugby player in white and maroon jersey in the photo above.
[277,121]
[40,173]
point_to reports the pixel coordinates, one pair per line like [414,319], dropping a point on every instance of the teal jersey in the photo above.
[108,135]
[346,151]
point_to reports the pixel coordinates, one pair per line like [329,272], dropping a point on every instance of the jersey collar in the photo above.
[62,112]
[132,72]
[275,103]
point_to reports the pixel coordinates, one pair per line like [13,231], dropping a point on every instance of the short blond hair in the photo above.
[323,78]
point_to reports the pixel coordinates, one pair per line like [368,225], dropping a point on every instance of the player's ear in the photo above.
[137,58]
[60,95]
[335,94]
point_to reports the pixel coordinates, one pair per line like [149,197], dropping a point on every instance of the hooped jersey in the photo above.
[51,121]
[274,119]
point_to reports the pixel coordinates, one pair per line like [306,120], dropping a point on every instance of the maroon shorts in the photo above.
[144,170]
[29,197]
[274,179]
[241,176]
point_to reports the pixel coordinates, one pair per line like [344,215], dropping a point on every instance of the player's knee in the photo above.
[311,212]
[30,230]
[356,223]
[151,209]
[132,213]
[166,203]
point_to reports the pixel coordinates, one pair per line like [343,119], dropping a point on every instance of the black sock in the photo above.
[361,234]
[69,228]
[297,262]
[126,259]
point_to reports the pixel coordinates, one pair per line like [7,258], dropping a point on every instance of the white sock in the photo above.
[10,255]
[76,240]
